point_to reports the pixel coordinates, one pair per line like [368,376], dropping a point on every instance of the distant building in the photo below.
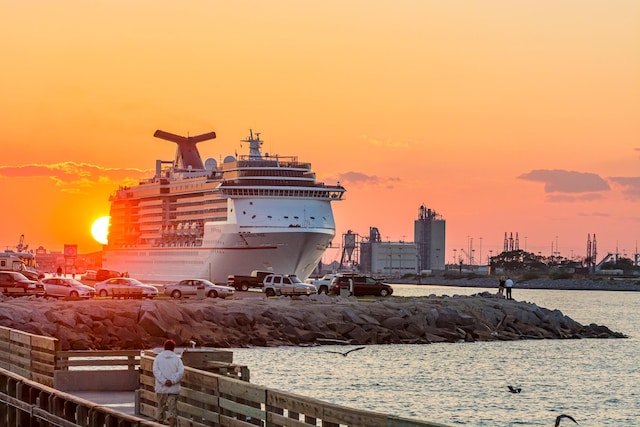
[393,259]
[396,259]
[429,236]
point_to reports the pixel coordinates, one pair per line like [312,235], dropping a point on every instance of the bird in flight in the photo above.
[346,352]
[514,389]
[560,417]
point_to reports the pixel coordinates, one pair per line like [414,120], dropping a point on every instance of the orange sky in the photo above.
[503,116]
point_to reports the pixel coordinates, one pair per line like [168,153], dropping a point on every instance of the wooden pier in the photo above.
[214,391]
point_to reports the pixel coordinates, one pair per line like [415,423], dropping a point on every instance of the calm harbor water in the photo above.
[596,381]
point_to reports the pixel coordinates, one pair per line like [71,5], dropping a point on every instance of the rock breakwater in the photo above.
[258,321]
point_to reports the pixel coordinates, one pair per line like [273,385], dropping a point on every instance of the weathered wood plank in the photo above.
[355,417]
[198,413]
[285,421]
[301,404]
[54,419]
[20,337]
[44,343]
[64,363]
[242,390]
[201,396]
[226,421]
[404,422]
[99,353]
[241,409]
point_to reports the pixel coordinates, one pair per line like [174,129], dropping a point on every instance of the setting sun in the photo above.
[100,229]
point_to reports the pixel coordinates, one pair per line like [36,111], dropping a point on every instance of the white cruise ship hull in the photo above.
[283,236]
[287,251]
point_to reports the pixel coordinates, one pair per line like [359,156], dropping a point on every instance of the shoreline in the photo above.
[608,284]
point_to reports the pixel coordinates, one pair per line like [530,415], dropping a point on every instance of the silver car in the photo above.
[62,287]
[190,287]
[119,284]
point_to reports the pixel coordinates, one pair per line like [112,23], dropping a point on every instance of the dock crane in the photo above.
[21,247]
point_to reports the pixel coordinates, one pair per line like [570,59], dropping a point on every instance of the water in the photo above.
[597,381]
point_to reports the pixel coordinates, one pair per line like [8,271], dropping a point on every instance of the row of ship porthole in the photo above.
[284,217]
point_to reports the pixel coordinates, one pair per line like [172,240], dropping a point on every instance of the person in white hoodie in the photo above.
[168,370]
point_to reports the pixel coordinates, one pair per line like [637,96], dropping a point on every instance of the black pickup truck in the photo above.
[243,283]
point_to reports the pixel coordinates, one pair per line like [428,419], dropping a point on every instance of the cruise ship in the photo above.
[196,219]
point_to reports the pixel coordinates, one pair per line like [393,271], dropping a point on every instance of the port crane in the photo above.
[21,247]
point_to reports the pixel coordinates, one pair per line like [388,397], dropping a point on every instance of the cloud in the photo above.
[589,197]
[76,178]
[630,186]
[571,182]
[360,179]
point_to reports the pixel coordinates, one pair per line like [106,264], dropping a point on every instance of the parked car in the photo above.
[106,287]
[284,284]
[16,284]
[190,287]
[322,284]
[89,275]
[104,274]
[360,285]
[62,287]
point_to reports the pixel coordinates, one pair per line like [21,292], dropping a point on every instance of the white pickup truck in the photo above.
[322,284]
[283,284]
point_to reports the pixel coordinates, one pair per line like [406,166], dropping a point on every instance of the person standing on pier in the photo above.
[168,371]
[501,285]
[509,285]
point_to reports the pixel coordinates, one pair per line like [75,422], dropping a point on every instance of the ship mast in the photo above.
[254,145]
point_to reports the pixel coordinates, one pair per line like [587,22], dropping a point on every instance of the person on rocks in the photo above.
[168,371]
[501,286]
[509,285]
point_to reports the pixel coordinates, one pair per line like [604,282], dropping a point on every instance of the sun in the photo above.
[100,229]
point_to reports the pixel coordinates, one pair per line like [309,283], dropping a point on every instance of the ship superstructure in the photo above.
[195,219]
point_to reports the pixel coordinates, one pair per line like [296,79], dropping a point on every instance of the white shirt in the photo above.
[168,366]
[509,283]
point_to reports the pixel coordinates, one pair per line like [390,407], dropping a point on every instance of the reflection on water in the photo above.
[596,381]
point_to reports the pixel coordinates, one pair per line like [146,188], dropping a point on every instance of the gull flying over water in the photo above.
[560,417]
[514,389]
[346,352]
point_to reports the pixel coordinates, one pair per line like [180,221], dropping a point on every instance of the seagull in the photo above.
[514,389]
[560,417]
[346,352]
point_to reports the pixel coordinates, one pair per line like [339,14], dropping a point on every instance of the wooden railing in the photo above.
[208,399]
[28,403]
[219,394]
[28,355]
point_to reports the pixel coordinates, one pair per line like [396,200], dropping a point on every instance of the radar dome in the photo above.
[210,164]
[229,159]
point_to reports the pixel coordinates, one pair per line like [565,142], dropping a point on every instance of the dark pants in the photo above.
[509,292]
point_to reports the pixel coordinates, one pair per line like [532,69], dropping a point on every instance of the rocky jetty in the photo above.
[257,321]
